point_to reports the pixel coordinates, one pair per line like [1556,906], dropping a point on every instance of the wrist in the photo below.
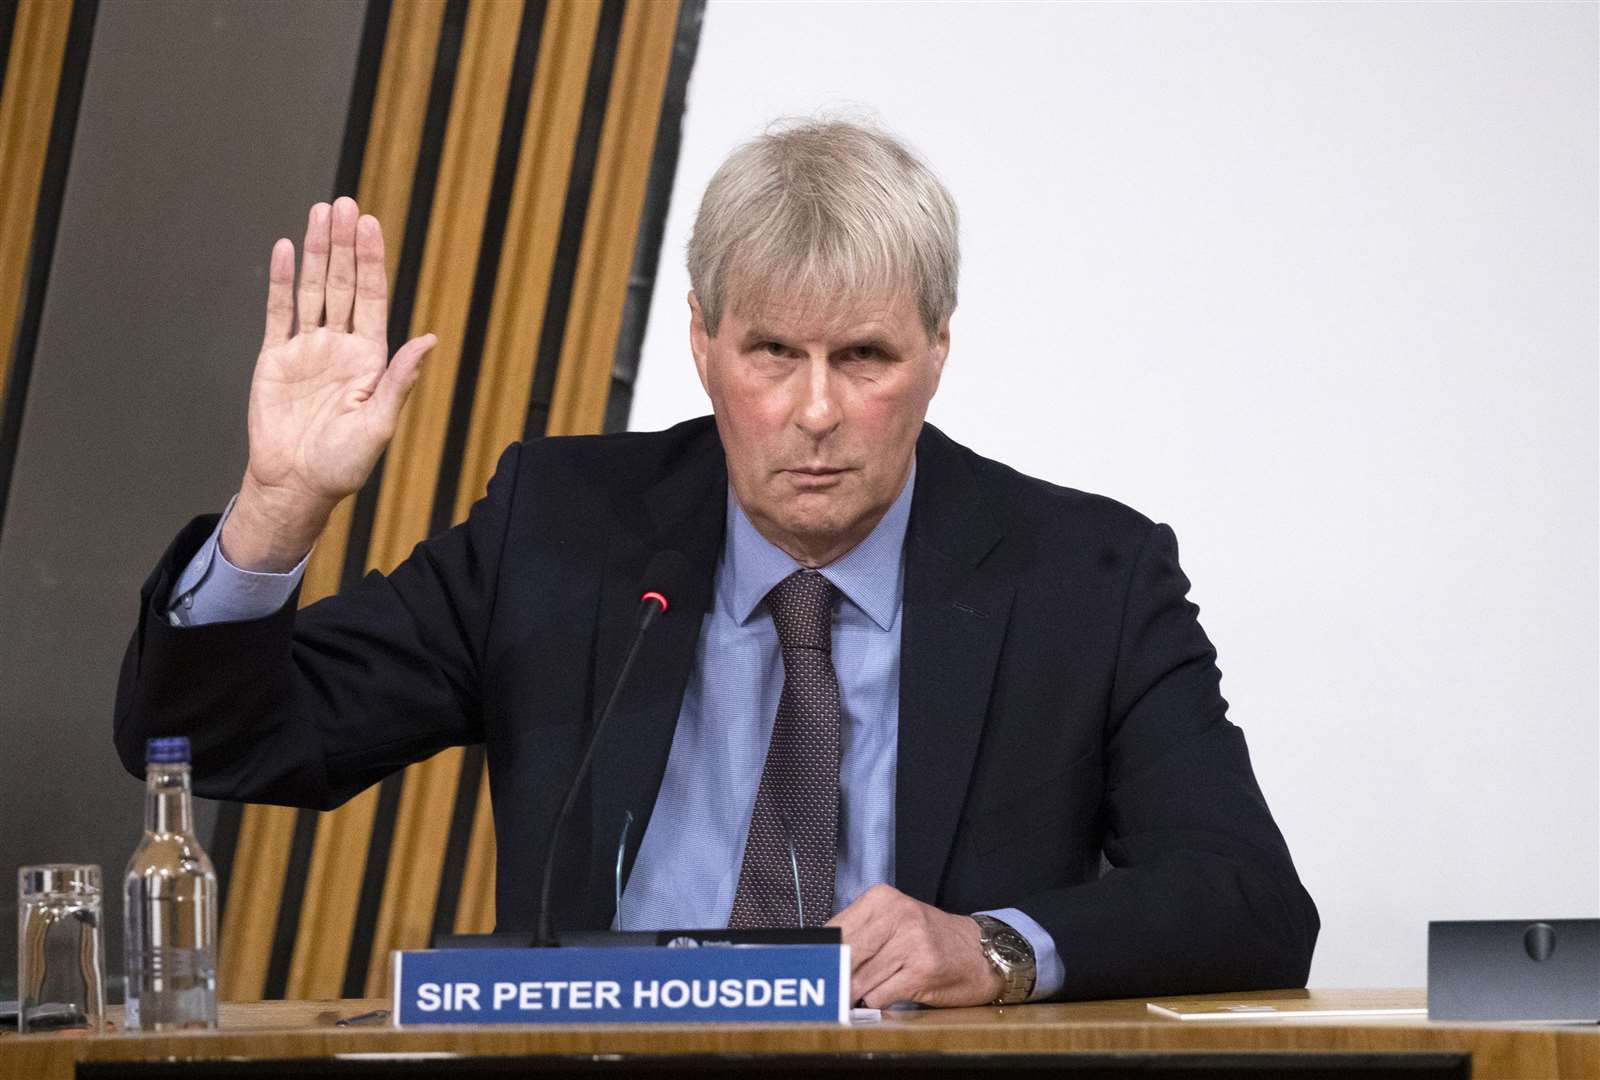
[1010,957]
[269,530]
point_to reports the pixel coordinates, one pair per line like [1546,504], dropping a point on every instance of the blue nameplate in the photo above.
[710,984]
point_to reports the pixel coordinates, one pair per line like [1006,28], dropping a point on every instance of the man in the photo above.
[932,689]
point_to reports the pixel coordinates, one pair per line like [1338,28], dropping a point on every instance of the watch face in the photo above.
[1012,948]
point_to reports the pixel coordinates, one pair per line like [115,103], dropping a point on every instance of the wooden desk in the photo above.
[290,1029]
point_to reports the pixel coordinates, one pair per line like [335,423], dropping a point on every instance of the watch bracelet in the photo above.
[1017,982]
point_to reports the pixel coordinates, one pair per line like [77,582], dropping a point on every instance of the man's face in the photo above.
[819,407]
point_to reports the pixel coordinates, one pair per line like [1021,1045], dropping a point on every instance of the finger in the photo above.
[280,294]
[899,986]
[390,395]
[848,919]
[875,955]
[313,267]
[868,939]
[908,988]
[862,909]
[341,289]
[880,968]
[372,283]
[868,922]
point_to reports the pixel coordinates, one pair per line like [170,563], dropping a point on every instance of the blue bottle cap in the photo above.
[172,750]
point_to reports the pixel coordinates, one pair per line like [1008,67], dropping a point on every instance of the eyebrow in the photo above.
[757,335]
[874,341]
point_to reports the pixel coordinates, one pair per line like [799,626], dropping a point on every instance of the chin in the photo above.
[819,527]
[808,526]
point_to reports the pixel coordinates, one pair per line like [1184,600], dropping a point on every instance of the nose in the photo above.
[819,411]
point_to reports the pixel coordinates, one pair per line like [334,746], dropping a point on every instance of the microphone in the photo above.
[664,582]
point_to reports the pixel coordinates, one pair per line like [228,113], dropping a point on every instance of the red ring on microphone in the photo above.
[662,600]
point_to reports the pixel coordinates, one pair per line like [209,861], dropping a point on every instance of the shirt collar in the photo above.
[868,574]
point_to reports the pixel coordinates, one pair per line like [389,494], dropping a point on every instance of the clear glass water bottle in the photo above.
[170,917]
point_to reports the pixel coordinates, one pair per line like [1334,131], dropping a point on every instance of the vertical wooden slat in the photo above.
[583,378]
[253,896]
[332,890]
[475,908]
[27,109]
[412,464]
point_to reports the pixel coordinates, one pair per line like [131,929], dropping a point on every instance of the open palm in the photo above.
[325,399]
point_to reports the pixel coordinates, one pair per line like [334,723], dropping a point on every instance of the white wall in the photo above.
[1316,284]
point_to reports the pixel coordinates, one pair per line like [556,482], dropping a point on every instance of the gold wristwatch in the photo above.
[1010,954]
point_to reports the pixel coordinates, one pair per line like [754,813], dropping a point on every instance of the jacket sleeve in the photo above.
[1200,895]
[307,708]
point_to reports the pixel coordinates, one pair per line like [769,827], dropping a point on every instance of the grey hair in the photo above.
[821,208]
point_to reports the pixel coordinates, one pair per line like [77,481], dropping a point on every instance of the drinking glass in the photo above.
[61,971]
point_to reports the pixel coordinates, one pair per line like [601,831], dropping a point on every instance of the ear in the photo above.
[939,348]
[699,340]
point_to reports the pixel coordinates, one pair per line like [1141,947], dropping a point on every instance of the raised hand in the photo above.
[325,399]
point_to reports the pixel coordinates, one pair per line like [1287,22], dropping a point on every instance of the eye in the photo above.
[772,348]
[865,352]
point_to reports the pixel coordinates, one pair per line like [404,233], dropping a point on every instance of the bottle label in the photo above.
[130,1014]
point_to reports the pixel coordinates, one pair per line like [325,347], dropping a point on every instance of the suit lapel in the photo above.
[954,620]
[953,623]
[686,512]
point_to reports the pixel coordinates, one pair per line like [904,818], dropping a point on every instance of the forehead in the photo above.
[807,315]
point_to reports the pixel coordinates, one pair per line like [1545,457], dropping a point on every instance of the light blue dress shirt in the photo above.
[688,864]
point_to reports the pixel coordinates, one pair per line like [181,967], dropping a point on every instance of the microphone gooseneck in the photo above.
[664,577]
[616,879]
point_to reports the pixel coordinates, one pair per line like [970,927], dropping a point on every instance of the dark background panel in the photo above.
[206,130]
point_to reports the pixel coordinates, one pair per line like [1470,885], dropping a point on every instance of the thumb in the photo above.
[398,379]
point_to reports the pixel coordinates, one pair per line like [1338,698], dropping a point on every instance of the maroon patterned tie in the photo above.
[795,823]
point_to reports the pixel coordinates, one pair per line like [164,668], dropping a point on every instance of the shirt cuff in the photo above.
[1048,971]
[212,590]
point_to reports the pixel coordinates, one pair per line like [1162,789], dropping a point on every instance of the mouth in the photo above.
[814,476]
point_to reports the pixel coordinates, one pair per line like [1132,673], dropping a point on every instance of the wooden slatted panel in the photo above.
[333,883]
[411,468]
[522,285]
[254,890]
[27,108]
[583,378]
[500,407]
[498,412]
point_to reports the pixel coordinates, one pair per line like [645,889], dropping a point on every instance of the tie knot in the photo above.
[802,609]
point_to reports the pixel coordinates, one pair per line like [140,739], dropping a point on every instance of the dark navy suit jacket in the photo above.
[1064,746]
